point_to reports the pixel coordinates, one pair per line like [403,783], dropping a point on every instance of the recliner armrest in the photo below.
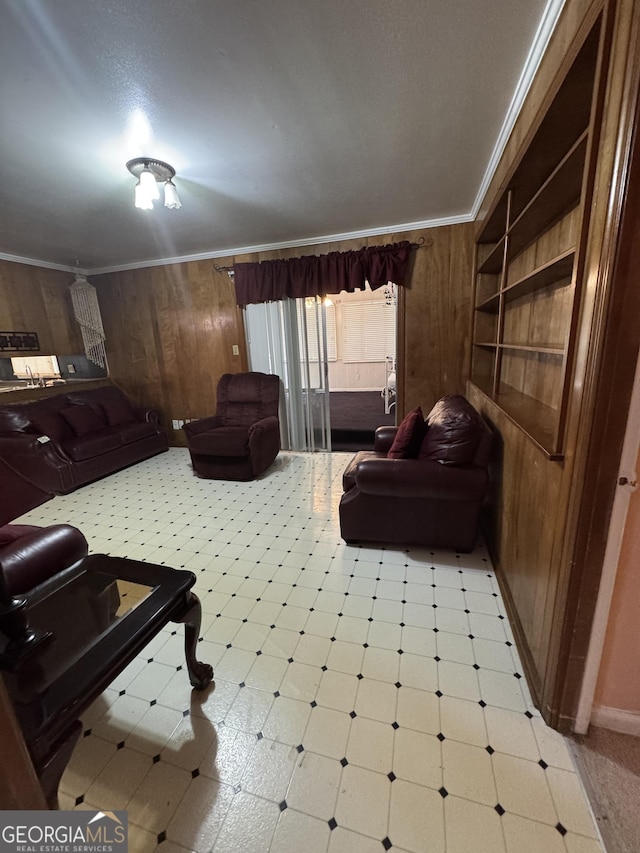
[202,425]
[264,423]
[417,478]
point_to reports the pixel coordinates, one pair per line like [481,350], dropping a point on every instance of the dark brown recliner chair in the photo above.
[243,438]
[434,500]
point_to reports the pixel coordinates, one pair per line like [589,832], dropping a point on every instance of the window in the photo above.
[368,331]
[312,330]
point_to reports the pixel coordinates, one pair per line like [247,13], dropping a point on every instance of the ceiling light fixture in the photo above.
[149,173]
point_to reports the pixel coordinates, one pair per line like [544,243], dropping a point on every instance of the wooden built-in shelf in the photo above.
[525,304]
[535,419]
[556,270]
[559,193]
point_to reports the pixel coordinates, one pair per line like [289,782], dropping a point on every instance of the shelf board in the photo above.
[536,420]
[495,259]
[486,344]
[546,349]
[490,305]
[555,270]
[557,195]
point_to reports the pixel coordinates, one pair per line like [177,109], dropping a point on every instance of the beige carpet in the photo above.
[609,764]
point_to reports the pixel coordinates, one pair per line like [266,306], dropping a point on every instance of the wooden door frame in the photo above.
[614,345]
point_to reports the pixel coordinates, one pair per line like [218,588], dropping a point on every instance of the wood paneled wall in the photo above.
[170,332]
[170,329]
[33,299]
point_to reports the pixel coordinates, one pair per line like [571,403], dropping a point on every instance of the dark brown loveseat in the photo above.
[62,442]
[431,498]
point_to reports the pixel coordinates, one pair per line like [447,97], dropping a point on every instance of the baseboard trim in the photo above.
[616,719]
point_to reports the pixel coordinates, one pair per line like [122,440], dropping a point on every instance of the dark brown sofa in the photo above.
[434,500]
[62,442]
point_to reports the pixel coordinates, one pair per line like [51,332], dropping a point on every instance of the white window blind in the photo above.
[312,332]
[368,331]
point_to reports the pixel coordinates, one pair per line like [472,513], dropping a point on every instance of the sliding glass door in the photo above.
[289,338]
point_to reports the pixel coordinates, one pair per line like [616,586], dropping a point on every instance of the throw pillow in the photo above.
[82,419]
[118,411]
[454,430]
[51,424]
[408,438]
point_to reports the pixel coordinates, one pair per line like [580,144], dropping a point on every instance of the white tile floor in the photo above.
[365,699]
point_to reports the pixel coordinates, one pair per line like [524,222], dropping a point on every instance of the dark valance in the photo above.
[317,275]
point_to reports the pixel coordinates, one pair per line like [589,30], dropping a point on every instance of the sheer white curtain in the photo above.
[289,338]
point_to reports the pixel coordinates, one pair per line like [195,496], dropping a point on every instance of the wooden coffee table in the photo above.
[86,632]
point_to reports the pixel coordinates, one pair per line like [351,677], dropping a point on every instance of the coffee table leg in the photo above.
[200,674]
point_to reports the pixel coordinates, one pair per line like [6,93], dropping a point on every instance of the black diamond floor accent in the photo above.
[395,725]
[353,714]
[344,762]
[499,809]
[195,773]
[162,836]
[391,776]
[440,737]
[300,748]
[313,704]
[80,799]
[332,823]
[386,843]
[282,805]
[443,793]
[156,759]
[490,749]
[561,829]
[543,764]
[121,745]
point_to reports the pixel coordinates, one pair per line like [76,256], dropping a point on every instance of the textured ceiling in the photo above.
[286,120]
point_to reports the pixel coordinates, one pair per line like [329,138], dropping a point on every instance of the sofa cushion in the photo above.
[408,439]
[83,420]
[134,432]
[51,424]
[223,441]
[454,430]
[88,446]
[117,409]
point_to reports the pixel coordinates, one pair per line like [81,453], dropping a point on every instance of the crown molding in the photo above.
[540,42]
[33,262]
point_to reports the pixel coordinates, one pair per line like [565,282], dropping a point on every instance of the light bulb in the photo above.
[142,200]
[148,183]
[171,198]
